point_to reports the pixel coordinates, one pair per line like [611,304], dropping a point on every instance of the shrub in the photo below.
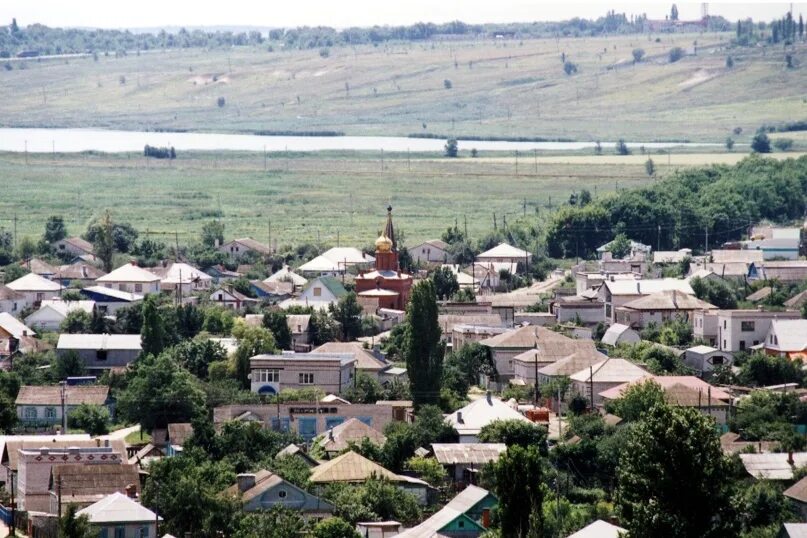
[676,54]
[221,102]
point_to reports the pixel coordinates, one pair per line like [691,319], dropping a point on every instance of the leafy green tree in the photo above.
[292,469]
[622,148]
[714,291]
[428,469]
[570,68]
[423,351]
[189,320]
[93,419]
[403,439]
[152,335]
[518,476]
[638,54]
[218,320]
[670,450]
[762,504]
[68,365]
[620,246]
[251,341]
[213,233]
[322,328]
[277,522]
[514,433]
[276,322]
[451,148]
[445,283]
[55,230]
[365,389]
[375,500]
[729,143]
[104,242]
[768,415]
[761,369]
[159,392]
[348,313]
[761,143]
[783,144]
[72,525]
[637,400]
[335,527]
[650,167]
[675,54]
[196,356]
[76,322]
[129,319]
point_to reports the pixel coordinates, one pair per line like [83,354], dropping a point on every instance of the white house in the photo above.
[108,300]
[504,253]
[469,420]
[35,288]
[285,274]
[178,274]
[245,245]
[319,293]
[12,301]
[73,246]
[118,516]
[704,359]
[616,293]
[739,330]
[337,260]
[432,251]
[231,298]
[101,351]
[12,327]
[787,338]
[53,312]
[131,278]
[604,375]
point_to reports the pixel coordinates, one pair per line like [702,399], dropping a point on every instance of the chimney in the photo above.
[459,417]
[133,262]
[486,518]
[245,481]
[106,443]
[131,491]
[97,442]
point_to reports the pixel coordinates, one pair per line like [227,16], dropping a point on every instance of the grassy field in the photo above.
[501,88]
[326,197]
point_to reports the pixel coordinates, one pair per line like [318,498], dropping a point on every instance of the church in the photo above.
[386,286]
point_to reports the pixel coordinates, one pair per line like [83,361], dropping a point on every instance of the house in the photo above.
[729,271]
[773,465]
[738,330]
[797,301]
[659,307]
[782,248]
[469,420]
[600,529]
[620,334]
[176,435]
[585,308]
[463,461]
[793,530]
[797,493]
[271,291]
[12,301]
[131,278]
[101,351]
[119,516]
[530,362]
[337,260]
[11,327]
[366,361]
[307,419]
[231,298]
[732,443]
[263,490]
[222,274]
[378,529]
[339,438]
[319,293]
[467,515]
[70,247]
[637,250]
[665,257]
[586,280]
[109,301]
[35,288]
[704,359]
[463,334]
[331,372]
[504,253]
[52,312]
[243,246]
[616,293]
[41,406]
[39,267]
[787,272]
[431,251]
[504,347]
[591,382]
[760,295]
[353,468]
[294,451]
[285,274]
[787,338]
[82,274]
[736,256]
[83,484]
[481,322]
[178,276]
[299,326]
[33,463]
[683,391]
[568,366]
[10,444]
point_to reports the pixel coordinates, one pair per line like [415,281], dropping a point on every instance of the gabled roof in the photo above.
[600,529]
[733,256]
[80,481]
[479,413]
[129,273]
[235,294]
[12,448]
[34,282]
[294,451]
[524,337]
[298,320]
[52,395]
[668,300]
[503,250]
[100,341]
[353,430]
[571,364]
[287,275]
[252,244]
[65,307]
[13,326]
[79,243]
[180,273]
[791,334]
[347,255]
[614,332]
[797,491]
[331,284]
[550,351]
[684,390]
[611,370]
[118,508]
[794,530]
[113,294]
[40,267]
[797,300]
[179,432]
[647,287]
[7,294]
[321,264]
[436,243]
[78,271]
[773,466]
[467,453]
[350,467]
[365,360]
[760,294]
[456,508]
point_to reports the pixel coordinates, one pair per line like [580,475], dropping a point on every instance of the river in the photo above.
[110,141]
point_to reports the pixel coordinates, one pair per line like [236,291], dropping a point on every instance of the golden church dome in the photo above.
[383,243]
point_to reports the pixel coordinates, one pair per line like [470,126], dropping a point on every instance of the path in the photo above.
[122,433]
[523,297]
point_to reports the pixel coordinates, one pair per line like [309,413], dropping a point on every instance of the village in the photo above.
[323,393]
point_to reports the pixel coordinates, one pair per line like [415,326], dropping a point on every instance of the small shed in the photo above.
[620,334]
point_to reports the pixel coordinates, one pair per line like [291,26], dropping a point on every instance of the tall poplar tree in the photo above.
[422,349]
[152,335]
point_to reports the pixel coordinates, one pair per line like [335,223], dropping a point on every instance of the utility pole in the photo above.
[707,238]
[658,243]
[264,157]
[382,159]
[591,384]
[63,390]
[535,156]
[13,524]
[466,226]
[15,231]
[516,162]
[535,385]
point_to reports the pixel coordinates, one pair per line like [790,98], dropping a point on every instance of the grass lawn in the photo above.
[138,437]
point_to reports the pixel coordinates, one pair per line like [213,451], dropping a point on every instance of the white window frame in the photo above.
[306,378]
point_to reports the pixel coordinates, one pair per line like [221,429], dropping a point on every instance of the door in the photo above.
[307,427]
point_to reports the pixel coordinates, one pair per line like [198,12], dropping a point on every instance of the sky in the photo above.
[343,13]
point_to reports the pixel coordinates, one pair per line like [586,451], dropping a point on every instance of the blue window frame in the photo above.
[307,427]
[332,422]
[366,420]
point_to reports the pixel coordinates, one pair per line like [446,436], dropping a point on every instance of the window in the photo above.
[724,323]
[742,345]
[266,376]
[50,412]
[14,307]
[138,288]
[747,326]
[281,494]
[104,533]
[756,342]
[317,291]
[30,412]
[724,344]
[101,354]
[717,360]
[306,378]
[120,532]
[143,532]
